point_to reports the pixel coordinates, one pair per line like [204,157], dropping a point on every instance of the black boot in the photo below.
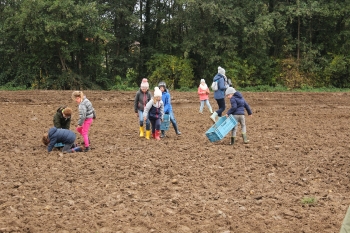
[162,134]
[232,140]
[177,130]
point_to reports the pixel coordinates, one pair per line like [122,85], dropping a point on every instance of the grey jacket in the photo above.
[86,111]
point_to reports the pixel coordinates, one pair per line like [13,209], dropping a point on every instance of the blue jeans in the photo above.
[202,105]
[148,126]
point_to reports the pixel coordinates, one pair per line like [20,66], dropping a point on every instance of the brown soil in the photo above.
[298,149]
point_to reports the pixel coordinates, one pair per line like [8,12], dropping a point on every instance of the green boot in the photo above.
[232,140]
[245,140]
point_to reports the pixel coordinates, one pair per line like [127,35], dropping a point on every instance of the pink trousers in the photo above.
[84,131]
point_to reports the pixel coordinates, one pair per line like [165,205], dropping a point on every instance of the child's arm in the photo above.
[136,102]
[56,121]
[147,108]
[233,106]
[51,144]
[82,114]
[247,107]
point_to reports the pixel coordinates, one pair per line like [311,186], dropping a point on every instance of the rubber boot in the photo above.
[176,130]
[156,135]
[245,139]
[148,134]
[232,140]
[162,134]
[142,132]
[213,116]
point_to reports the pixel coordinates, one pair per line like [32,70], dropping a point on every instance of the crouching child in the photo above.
[64,136]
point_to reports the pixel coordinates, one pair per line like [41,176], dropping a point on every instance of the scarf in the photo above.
[203,87]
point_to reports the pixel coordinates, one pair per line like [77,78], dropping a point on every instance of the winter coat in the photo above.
[220,93]
[141,99]
[86,111]
[167,102]
[238,104]
[203,94]
[153,110]
[64,136]
[59,121]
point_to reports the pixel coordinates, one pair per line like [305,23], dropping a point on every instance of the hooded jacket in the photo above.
[59,121]
[220,93]
[64,136]
[238,104]
[141,99]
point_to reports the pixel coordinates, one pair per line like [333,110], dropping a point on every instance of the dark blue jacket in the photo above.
[220,93]
[64,136]
[167,102]
[238,105]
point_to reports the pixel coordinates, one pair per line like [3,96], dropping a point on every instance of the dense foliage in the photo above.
[70,44]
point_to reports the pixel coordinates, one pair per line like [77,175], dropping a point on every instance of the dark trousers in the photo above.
[155,124]
[221,104]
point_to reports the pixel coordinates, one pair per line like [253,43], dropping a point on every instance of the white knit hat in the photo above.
[221,70]
[202,80]
[157,92]
[230,90]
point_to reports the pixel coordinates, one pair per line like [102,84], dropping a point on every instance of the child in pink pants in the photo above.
[86,116]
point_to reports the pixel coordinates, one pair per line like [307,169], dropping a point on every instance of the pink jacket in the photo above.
[203,95]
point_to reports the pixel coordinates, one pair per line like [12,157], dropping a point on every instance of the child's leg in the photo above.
[67,147]
[157,124]
[209,106]
[242,122]
[202,106]
[148,124]
[141,117]
[85,131]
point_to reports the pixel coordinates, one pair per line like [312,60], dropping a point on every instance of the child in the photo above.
[154,110]
[61,120]
[203,92]
[219,94]
[238,104]
[141,99]
[86,116]
[168,109]
[65,136]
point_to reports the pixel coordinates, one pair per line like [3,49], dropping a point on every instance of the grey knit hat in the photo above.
[221,70]
[230,90]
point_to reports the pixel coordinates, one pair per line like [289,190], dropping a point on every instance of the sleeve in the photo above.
[221,84]
[136,102]
[147,108]
[67,126]
[162,110]
[56,121]
[82,114]
[233,106]
[199,91]
[51,144]
[247,107]
[167,104]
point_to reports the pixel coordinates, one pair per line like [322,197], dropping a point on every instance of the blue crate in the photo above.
[221,128]
[166,122]
[60,144]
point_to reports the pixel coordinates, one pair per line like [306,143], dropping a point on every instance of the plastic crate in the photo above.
[221,128]
[166,122]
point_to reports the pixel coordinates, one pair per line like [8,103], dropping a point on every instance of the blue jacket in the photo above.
[64,136]
[220,93]
[167,102]
[238,104]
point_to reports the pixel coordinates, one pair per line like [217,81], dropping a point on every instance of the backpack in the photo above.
[214,85]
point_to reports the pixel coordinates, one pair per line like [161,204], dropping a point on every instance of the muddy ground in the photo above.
[298,152]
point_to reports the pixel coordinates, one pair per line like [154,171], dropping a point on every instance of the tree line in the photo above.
[70,44]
